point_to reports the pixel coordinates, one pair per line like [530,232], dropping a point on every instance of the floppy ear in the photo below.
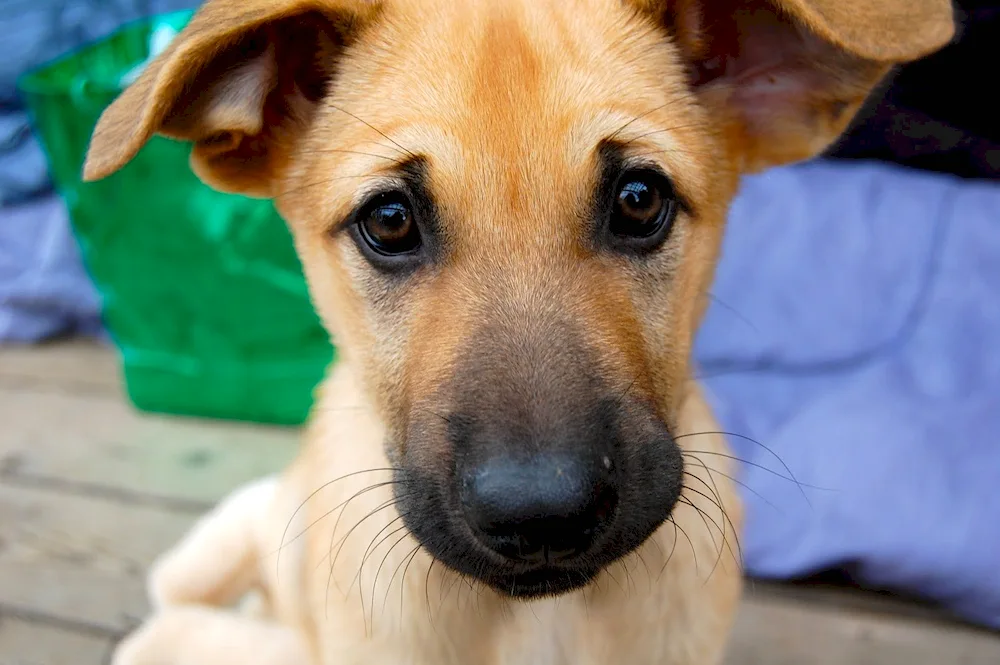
[240,81]
[785,77]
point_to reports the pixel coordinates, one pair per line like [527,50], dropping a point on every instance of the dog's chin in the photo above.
[526,582]
[456,550]
[539,582]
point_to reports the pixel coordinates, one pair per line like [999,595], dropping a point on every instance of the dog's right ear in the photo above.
[240,81]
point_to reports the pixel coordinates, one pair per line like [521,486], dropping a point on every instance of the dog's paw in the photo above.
[153,643]
[207,636]
[216,562]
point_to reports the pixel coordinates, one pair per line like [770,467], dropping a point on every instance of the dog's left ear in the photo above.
[785,77]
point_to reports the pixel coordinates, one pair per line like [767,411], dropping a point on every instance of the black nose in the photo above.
[539,509]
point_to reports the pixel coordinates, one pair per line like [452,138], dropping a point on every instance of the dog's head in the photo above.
[508,212]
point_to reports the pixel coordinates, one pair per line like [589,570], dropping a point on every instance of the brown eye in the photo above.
[644,206]
[388,226]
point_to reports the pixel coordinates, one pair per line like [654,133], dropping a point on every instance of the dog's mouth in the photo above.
[548,580]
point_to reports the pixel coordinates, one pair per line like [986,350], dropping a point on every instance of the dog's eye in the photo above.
[644,207]
[388,226]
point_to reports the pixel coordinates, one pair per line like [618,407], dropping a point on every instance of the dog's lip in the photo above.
[539,582]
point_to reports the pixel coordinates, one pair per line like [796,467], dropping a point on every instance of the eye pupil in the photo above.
[392,220]
[637,198]
[387,225]
[644,205]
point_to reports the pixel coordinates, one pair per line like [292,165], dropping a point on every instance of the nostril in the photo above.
[541,509]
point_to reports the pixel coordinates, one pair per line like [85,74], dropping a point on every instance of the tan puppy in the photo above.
[508,212]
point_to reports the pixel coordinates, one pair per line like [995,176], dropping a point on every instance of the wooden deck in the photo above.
[91,492]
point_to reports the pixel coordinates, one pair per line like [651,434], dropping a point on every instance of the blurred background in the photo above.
[157,347]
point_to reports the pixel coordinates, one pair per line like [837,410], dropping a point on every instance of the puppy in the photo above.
[508,213]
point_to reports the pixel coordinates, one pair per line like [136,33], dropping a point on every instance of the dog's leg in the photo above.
[205,636]
[217,562]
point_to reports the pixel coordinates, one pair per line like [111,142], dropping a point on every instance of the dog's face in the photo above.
[508,213]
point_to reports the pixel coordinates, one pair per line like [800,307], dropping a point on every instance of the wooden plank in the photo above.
[30,643]
[93,443]
[82,561]
[81,516]
[79,560]
[82,365]
[850,598]
[773,630]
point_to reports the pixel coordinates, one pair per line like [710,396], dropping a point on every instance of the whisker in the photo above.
[378,572]
[649,575]
[656,542]
[343,541]
[402,562]
[373,545]
[333,534]
[636,119]
[394,160]
[608,572]
[427,593]
[402,150]
[443,595]
[721,548]
[704,517]
[343,510]
[358,576]
[758,443]
[628,577]
[627,390]
[694,554]
[673,547]
[435,414]
[674,100]
[736,481]
[715,489]
[402,579]
[374,584]
[732,310]
[679,151]
[725,517]
[319,489]
[756,466]
[330,512]
[327,181]
[662,131]
[725,540]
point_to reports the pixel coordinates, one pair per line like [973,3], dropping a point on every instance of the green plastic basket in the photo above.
[202,292]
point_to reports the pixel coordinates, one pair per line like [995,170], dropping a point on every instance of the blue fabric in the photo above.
[855,332]
[43,288]
[33,32]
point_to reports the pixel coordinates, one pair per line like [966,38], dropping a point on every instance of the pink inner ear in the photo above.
[766,62]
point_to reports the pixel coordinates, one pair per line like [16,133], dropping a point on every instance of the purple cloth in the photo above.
[44,290]
[856,333]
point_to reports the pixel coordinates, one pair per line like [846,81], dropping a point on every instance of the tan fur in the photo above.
[507,102]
